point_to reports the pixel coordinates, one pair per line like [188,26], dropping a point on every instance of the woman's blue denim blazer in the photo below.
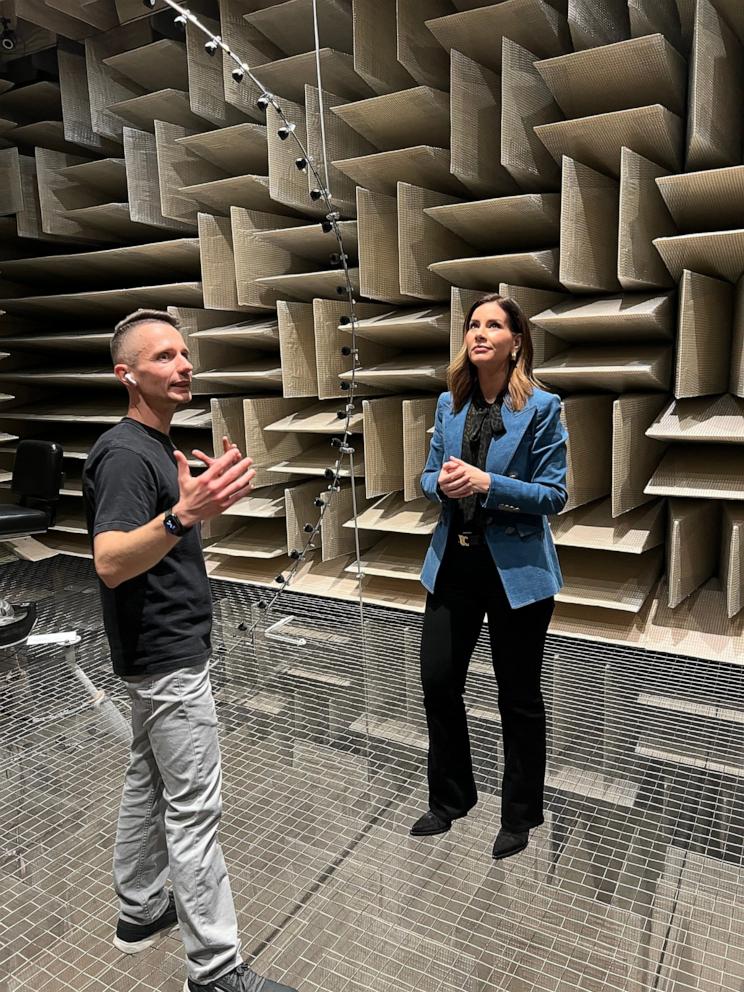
[527,465]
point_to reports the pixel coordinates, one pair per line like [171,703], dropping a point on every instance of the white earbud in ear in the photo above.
[130,378]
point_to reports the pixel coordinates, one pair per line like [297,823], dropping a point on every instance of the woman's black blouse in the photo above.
[482,424]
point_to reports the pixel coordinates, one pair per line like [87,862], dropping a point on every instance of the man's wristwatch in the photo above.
[173,525]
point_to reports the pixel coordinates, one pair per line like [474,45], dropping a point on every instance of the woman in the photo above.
[497,464]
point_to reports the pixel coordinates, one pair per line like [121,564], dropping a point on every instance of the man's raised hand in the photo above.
[226,480]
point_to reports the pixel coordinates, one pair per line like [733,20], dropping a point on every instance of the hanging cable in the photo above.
[321,190]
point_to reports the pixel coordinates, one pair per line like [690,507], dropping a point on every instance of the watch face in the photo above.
[170,525]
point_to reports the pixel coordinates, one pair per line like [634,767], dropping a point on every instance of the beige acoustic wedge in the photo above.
[692,546]
[719,254]
[76,103]
[177,259]
[589,229]
[526,103]
[106,87]
[218,263]
[597,141]
[475,111]
[11,186]
[159,65]
[710,419]
[477,33]
[383,445]
[405,328]
[418,50]
[656,17]
[263,504]
[710,200]
[394,557]
[539,269]
[206,83]
[379,263]
[706,316]
[256,258]
[331,338]
[319,418]
[61,197]
[222,342]
[375,27]
[337,536]
[143,182]
[422,242]
[238,150]
[594,526]
[297,349]
[108,175]
[254,48]
[418,418]
[708,471]
[416,116]
[643,217]
[341,141]
[170,105]
[267,448]
[614,581]
[177,169]
[287,184]
[288,77]
[629,73]
[588,420]
[392,514]
[289,25]
[420,165]
[597,24]
[106,304]
[300,509]
[316,459]
[620,369]
[530,220]
[635,453]
[252,539]
[638,317]
[421,372]
[714,126]
[325,284]
[732,557]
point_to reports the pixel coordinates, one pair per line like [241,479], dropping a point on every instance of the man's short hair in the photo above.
[124,327]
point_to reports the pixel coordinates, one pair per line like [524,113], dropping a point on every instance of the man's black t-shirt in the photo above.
[160,620]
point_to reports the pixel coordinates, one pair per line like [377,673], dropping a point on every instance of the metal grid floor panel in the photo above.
[634,883]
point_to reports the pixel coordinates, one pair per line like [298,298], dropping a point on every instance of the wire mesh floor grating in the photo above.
[635,882]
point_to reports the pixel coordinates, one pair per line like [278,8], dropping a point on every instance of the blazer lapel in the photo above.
[454,429]
[501,450]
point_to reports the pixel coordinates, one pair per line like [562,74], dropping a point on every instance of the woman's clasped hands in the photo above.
[458,479]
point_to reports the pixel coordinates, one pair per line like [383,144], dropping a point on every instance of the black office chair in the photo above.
[37,480]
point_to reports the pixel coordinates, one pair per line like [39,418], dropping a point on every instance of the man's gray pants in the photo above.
[170,811]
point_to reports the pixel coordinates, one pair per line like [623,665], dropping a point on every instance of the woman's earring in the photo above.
[514,355]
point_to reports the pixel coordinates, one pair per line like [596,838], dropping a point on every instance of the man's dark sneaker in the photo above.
[240,979]
[131,938]
[429,824]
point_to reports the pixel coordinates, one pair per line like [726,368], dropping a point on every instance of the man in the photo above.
[144,509]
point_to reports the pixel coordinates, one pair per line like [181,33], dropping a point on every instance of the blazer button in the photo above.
[510,530]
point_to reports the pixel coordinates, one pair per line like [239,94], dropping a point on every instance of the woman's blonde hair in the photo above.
[462,375]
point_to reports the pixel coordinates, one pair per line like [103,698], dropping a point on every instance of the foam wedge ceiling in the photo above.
[588,162]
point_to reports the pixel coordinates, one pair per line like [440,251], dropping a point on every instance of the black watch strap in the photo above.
[173,525]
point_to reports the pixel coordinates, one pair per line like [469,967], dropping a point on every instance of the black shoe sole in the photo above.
[510,852]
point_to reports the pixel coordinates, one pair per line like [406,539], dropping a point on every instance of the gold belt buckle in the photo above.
[464,540]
